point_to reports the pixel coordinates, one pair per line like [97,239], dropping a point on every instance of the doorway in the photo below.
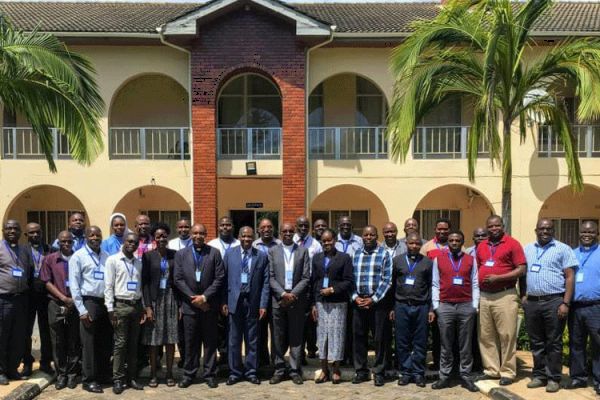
[251,218]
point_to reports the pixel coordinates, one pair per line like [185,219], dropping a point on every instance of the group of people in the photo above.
[136,295]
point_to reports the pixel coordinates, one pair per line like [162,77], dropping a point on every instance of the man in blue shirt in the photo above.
[584,318]
[550,282]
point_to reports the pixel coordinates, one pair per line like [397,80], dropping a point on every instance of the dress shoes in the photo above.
[47,368]
[253,380]
[469,385]
[212,382]
[72,382]
[185,383]
[440,384]
[576,384]
[420,381]
[360,378]
[118,387]
[379,380]
[92,387]
[404,380]
[135,385]
[505,381]
[484,377]
[61,382]
[3,380]
[27,370]
[232,380]
[297,379]
[536,383]
[552,387]
[275,379]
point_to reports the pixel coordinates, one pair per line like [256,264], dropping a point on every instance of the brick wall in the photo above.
[242,41]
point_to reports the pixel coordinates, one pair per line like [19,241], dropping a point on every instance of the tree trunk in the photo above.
[507,177]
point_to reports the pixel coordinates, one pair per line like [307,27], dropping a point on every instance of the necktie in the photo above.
[245,270]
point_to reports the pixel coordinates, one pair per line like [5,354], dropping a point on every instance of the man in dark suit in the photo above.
[245,299]
[289,267]
[199,276]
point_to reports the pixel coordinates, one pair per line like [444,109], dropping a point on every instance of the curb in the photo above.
[495,392]
[30,388]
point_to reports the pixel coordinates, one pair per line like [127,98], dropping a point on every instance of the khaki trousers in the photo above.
[497,329]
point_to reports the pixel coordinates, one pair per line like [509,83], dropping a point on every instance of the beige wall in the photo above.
[566,204]
[234,193]
[339,100]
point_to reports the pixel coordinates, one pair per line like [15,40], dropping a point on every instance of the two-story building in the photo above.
[254,108]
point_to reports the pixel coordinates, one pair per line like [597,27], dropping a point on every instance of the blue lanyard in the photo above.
[129,271]
[442,249]
[164,264]
[538,256]
[326,262]
[263,247]
[197,259]
[589,254]
[187,242]
[225,248]
[37,260]
[412,267]
[93,258]
[454,267]
[288,260]
[13,254]
[345,244]
[493,249]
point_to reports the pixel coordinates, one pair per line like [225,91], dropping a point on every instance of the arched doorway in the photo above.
[158,202]
[362,205]
[464,206]
[50,206]
[568,210]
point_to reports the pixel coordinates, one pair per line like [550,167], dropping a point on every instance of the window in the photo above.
[447,113]
[567,230]
[371,107]
[169,217]
[316,116]
[427,218]
[249,101]
[252,218]
[52,222]
[360,218]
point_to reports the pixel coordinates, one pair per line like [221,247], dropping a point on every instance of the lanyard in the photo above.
[187,242]
[493,248]
[129,271]
[225,248]
[412,267]
[538,256]
[454,267]
[326,262]
[288,260]
[443,249]
[163,265]
[197,259]
[589,254]
[37,260]
[66,268]
[345,244]
[13,254]
[263,247]
[93,258]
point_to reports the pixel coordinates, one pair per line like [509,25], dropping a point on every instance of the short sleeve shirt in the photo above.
[506,255]
[546,266]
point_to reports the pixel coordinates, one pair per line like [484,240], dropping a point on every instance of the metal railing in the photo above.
[248,143]
[342,143]
[587,141]
[24,144]
[443,142]
[154,143]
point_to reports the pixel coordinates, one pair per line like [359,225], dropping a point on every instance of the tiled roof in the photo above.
[348,17]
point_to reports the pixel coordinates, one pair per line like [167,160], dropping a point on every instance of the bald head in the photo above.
[33,232]
[411,225]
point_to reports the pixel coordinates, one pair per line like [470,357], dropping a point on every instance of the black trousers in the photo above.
[545,331]
[200,328]
[64,334]
[13,332]
[96,341]
[375,320]
[263,338]
[584,323]
[38,306]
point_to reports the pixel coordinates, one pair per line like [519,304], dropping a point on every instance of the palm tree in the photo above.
[476,50]
[51,87]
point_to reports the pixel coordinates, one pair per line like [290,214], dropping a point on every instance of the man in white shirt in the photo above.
[184,239]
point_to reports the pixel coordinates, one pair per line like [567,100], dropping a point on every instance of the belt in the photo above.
[498,290]
[365,296]
[585,303]
[128,302]
[545,298]
[93,298]
[413,302]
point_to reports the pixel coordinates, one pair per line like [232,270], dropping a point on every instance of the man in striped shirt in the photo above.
[371,306]
[549,288]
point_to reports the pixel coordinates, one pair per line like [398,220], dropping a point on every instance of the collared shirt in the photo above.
[123,279]
[506,255]
[55,269]
[259,245]
[249,256]
[403,248]
[392,251]
[471,251]
[11,266]
[82,278]
[78,242]
[179,243]
[349,246]
[433,249]
[587,274]
[418,268]
[372,273]
[552,260]
[310,243]
[112,245]
[222,246]
[145,245]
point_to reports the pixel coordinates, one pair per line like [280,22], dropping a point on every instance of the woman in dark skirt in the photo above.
[162,309]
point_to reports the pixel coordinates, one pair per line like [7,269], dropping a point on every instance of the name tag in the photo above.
[36,274]
[325,282]
[99,275]
[410,281]
[457,280]
[244,278]
[132,286]
[536,268]
[163,283]
[489,263]
[289,279]
[66,283]
[579,277]
[198,276]
[17,272]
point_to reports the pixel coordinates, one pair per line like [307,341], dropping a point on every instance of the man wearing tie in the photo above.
[199,276]
[289,267]
[245,302]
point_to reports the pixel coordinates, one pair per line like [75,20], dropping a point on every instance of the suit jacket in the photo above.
[340,273]
[301,274]
[211,281]
[258,281]
[151,274]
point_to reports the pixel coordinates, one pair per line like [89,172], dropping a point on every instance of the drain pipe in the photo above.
[161,31]
[332,29]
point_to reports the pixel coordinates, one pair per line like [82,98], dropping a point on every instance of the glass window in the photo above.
[371,107]
[427,218]
[316,117]
[447,113]
[360,218]
[567,229]
[52,222]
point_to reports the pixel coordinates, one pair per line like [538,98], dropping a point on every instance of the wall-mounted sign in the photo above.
[254,205]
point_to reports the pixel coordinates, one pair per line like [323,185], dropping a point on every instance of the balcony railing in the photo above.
[24,144]
[443,142]
[342,143]
[587,141]
[249,143]
[141,143]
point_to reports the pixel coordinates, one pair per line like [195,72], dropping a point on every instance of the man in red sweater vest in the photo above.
[455,297]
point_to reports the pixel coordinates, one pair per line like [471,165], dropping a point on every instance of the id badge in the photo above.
[457,280]
[579,277]
[489,263]
[536,268]
[17,272]
[198,276]
[132,286]
[244,278]
[410,281]
[325,282]
[99,275]
[163,283]
[289,280]
[36,274]
[67,284]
